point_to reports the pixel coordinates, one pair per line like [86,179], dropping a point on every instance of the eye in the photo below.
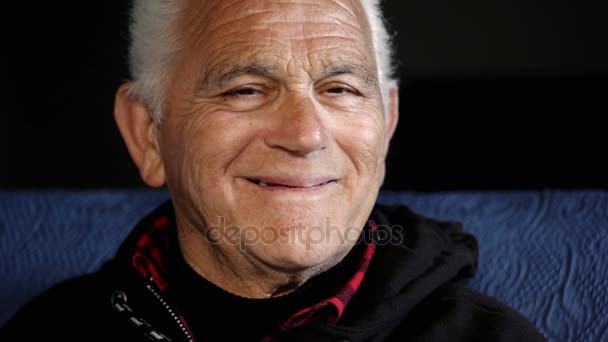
[342,90]
[242,91]
[246,97]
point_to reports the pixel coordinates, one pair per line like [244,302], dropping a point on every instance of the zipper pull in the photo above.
[119,303]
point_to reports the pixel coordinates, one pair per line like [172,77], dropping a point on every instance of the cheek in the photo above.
[363,142]
[204,149]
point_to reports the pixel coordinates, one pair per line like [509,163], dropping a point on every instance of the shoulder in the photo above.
[463,314]
[450,311]
[401,215]
[399,226]
[67,308]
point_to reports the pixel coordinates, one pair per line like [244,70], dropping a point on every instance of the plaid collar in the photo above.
[151,257]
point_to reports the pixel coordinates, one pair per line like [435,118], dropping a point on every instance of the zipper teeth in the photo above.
[167,307]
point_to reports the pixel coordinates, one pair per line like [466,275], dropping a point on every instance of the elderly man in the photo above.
[269,121]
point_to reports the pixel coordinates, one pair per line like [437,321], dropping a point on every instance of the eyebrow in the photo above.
[220,76]
[357,70]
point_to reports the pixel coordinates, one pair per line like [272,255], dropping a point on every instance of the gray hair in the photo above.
[152,49]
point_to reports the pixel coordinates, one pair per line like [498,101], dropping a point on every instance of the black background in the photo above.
[495,94]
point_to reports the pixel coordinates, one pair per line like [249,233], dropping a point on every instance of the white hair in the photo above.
[152,48]
[382,44]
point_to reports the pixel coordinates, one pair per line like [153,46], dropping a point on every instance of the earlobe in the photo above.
[140,135]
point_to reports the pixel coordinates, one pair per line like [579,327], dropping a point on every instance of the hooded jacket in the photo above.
[413,289]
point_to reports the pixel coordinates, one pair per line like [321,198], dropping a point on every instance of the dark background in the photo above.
[495,94]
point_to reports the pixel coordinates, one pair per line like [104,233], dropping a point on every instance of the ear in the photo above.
[392,115]
[140,134]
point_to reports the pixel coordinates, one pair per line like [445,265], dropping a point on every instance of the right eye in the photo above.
[241,91]
[245,97]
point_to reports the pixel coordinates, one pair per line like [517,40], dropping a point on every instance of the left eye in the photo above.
[246,91]
[341,90]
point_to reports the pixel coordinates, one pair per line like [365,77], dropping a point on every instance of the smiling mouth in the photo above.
[290,186]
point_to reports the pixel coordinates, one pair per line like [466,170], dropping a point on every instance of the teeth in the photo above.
[262,183]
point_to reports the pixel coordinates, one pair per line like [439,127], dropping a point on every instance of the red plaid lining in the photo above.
[337,304]
[150,251]
[153,247]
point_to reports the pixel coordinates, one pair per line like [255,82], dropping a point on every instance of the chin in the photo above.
[315,243]
[299,257]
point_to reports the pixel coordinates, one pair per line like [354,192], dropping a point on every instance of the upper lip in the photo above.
[294,182]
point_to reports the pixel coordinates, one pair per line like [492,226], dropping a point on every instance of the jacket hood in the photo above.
[420,256]
[414,257]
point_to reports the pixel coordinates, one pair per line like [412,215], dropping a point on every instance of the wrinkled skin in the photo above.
[282,92]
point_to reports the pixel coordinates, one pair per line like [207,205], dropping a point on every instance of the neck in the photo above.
[236,271]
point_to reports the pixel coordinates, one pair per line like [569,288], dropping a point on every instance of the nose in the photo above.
[298,129]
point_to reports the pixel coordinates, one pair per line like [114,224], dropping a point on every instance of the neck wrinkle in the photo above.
[233,270]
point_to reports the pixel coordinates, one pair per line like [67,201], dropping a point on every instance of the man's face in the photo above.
[276,127]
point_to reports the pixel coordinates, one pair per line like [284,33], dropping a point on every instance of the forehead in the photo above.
[313,32]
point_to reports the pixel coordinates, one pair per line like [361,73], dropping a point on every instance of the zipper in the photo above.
[182,328]
[119,303]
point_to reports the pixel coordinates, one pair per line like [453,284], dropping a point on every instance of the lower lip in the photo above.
[279,188]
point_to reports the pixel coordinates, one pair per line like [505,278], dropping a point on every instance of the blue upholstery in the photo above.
[544,253]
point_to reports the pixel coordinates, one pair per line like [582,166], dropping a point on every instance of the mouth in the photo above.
[295,184]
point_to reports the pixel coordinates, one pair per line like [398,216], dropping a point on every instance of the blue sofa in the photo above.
[544,253]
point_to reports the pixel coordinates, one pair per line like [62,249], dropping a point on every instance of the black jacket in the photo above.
[413,291]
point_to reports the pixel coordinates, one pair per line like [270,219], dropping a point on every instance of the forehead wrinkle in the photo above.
[355,12]
[360,71]
[232,24]
[201,21]
[321,40]
[218,32]
[228,64]
[327,65]
[360,58]
[311,23]
[318,8]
